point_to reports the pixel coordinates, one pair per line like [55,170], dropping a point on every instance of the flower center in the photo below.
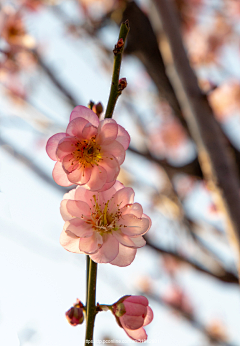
[102,220]
[87,152]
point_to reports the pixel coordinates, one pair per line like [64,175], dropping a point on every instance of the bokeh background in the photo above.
[57,54]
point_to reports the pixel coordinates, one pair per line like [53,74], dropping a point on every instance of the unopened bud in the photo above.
[122,84]
[75,314]
[98,109]
[118,46]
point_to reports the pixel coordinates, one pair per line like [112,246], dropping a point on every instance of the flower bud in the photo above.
[132,314]
[122,84]
[118,47]
[75,314]
[98,108]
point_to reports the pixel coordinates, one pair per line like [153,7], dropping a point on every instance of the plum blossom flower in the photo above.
[108,225]
[132,314]
[90,152]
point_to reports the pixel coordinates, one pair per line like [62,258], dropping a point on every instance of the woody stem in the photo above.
[114,92]
[91,301]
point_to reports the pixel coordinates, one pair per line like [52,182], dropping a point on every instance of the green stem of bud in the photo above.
[118,51]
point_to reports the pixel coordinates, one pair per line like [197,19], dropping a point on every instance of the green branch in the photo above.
[91,301]
[116,88]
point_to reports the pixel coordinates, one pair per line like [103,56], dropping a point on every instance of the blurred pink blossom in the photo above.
[176,297]
[90,152]
[108,226]
[132,314]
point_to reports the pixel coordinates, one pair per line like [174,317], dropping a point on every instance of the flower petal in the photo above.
[76,126]
[121,198]
[138,241]
[137,300]
[125,256]
[135,209]
[123,137]
[79,228]
[132,322]
[116,149]
[89,131]
[138,334]
[60,176]
[78,208]
[70,242]
[92,244]
[133,225]
[124,239]
[66,146]
[52,143]
[111,166]
[80,175]
[69,163]
[63,210]
[86,113]
[108,251]
[149,317]
[98,178]
[135,309]
[107,131]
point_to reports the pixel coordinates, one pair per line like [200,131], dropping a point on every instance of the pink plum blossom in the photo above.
[108,225]
[90,152]
[132,314]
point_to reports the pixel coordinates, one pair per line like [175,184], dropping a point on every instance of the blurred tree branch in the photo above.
[219,170]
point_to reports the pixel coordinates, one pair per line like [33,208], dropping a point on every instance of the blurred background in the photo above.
[57,54]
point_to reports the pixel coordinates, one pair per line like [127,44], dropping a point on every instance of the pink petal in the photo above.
[135,309]
[133,226]
[52,144]
[86,113]
[92,244]
[137,300]
[115,149]
[66,146]
[132,322]
[63,210]
[79,228]
[124,239]
[135,209]
[108,251]
[69,163]
[98,178]
[108,194]
[60,176]
[138,241]
[76,126]
[125,256]
[138,335]
[121,198]
[107,131]
[70,242]
[89,131]
[80,175]
[149,317]
[85,195]
[106,186]
[111,166]
[123,137]
[78,208]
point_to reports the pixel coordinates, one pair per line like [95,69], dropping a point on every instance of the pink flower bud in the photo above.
[75,314]
[132,314]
